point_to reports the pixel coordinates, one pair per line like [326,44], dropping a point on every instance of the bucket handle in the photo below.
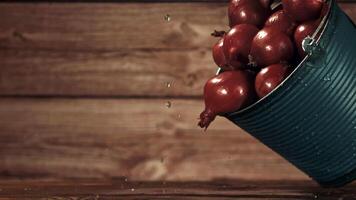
[311,43]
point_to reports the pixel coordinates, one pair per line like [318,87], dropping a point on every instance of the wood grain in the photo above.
[132,73]
[94,27]
[121,189]
[139,139]
[109,49]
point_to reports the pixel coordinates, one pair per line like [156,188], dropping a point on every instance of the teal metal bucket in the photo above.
[310,119]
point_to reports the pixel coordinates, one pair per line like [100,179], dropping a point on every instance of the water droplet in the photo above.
[132,189]
[167,17]
[126,179]
[327,77]
[316,196]
[168,104]
[168,84]
[179,116]
[306,84]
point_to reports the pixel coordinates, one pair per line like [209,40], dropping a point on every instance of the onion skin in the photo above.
[303,10]
[237,45]
[225,93]
[302,31]
[218,54]
[281,21]
[271,46]
[234,4]
[265,3]
[251,12]
[270,77]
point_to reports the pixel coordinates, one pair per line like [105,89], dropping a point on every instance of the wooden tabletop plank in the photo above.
[93,27]
[109,49]
[223,189]
[110,74]
[139,139]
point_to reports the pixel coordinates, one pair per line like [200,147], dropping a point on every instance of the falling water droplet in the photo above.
[315,196]
[168,84]
[168,104]
[179,116]
[327,77]
[132,189]
[167,17]
[126,179]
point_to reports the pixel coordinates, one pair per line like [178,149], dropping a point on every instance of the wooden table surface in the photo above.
[124,189]
[83,94]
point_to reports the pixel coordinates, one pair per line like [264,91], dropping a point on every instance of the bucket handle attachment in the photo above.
[310,44]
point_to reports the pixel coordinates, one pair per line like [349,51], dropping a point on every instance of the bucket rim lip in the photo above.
[324,25]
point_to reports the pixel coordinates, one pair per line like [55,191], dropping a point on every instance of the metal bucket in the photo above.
[310,119]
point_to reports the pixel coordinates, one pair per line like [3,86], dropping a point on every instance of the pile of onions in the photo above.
[258,52]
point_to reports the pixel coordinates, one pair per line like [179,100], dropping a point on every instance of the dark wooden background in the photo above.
[83,94]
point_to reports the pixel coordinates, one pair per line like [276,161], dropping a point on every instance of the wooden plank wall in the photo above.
[83,91]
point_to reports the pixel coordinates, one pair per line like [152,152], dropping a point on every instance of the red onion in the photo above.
[265,3]
[302,10]
[218,54]
[237,44]
[269,78]
[279,20]
[271,46]
[251,12]
[225,93]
